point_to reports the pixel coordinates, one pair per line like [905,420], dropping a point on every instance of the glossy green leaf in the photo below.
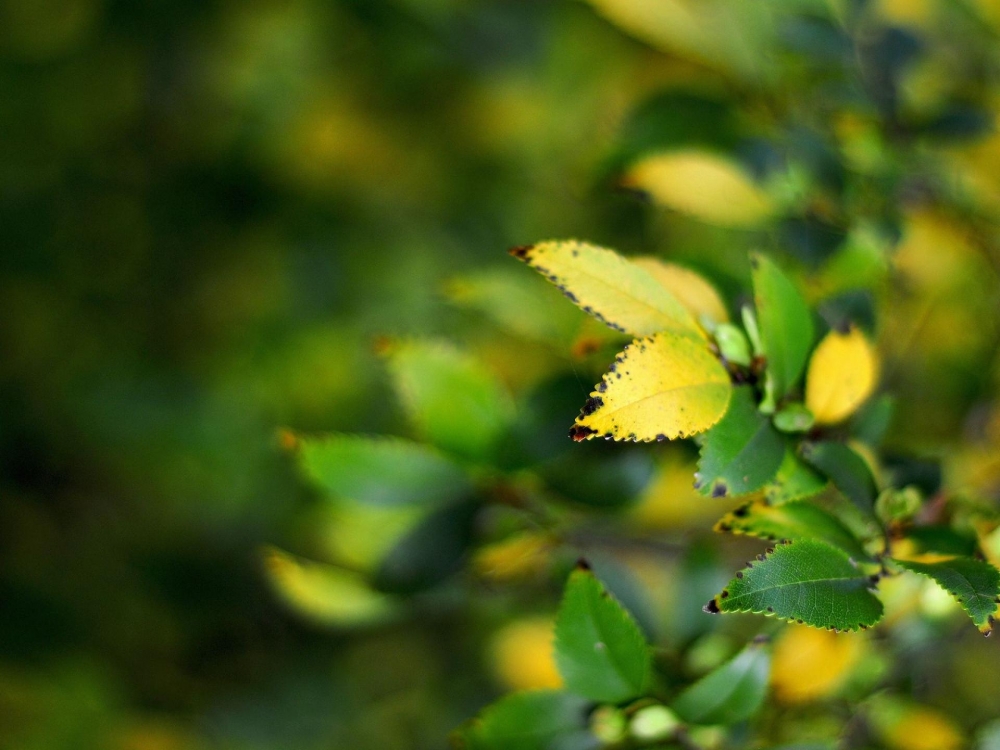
[532,720]
[794,481]
[742,452]
[453,400]
[730,694]
[806,581]
[792,521]
[381,471]
[600,651]
[848,471]
[974,583]
[786,325]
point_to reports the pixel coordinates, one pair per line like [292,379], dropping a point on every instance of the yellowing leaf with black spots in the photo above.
[522,655]
[806,581]
[689,288]
[810,664]
[661,387]
[610,287]
[842,375]
[704,185]
[325,594]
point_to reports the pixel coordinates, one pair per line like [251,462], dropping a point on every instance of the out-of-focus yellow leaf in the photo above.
[704,185]
[728,35]
[518,557]
[811,664]
[610,287]
[916,13]
[522,655]
[323,593]
[935,252]
[904,725]
[660,388]
[842,375]
[670,500]
[689,288]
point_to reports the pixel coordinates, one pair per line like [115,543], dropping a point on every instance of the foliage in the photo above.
[284,442]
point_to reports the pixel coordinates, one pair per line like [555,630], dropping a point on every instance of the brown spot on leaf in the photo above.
[581,432]
[521,251]
[711,608]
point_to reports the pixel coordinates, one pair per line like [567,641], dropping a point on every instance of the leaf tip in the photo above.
[521,252]
[580,432]
[583,566]
[712,607]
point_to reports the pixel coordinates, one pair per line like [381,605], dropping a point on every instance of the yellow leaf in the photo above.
[522,655]
[515,558]
[842,374]
[323,593]
[661,387]
[810,664]
[704,185]
[903,725]
[610,287]
[727,35]
[670,500]
[689,288]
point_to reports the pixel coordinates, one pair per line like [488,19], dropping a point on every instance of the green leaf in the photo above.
[610,287]
[325,594]
[533,720]
[452,398]
[786,325]
[806,581]
[794,481]
[381,471]
[848,471]
[600,651]
[430,552]
[517,302]
[974,583]
[730,694]
[792,521]
[742,452]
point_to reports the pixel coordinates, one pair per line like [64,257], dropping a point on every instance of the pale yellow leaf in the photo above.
[689,288]
[904,725]
[517,557]
[727,35]
[325,594]
[661,387]
[842,375]
[610,287]
[702,184]
[811,664]
[522,655]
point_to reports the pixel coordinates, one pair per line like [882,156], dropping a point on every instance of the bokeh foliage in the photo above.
[223,225]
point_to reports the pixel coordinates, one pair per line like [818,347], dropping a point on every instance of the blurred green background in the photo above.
[210,212]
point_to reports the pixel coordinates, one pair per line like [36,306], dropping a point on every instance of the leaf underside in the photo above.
[662,387]
[848,471]
[808,582]
[974,583]
[792,521]
[732,693]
